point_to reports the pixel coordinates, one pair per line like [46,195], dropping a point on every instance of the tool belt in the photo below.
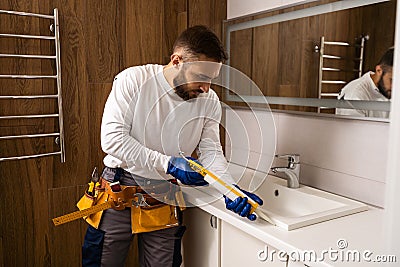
[153,207]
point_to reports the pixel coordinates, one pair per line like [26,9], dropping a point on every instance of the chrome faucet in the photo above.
[291,171]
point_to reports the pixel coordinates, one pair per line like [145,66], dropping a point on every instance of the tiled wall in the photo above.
[346,157]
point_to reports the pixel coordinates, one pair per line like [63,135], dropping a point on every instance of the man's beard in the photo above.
[181,88]
[180,91]
[381,88]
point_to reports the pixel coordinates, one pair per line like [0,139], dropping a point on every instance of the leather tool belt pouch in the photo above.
[161,214]
[88,201]
[149,211]
[152,218]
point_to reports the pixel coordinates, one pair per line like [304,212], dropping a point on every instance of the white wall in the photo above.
[238,8]
[346,157]
[370,186]
[392,203]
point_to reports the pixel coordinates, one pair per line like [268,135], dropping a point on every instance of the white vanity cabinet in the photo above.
[201,242]
[297,264]
[241,249]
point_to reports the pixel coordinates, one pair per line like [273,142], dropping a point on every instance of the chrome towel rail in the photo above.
[41,116]
[330,94]
[322,68]
[57,76]
[27,36]
[28,76]
[28,56]
[31,156]
[11,12]
[28,136]
[337,43]
[335,69]
[332,57]
[58,69]
[334,82]
[27,96]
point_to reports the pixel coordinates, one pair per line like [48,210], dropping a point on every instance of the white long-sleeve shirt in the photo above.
[362,88]
[145,123]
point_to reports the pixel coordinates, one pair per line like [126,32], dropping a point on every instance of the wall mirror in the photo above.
[300,57]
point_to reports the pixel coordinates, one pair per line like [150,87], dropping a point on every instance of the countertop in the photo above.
[339,241]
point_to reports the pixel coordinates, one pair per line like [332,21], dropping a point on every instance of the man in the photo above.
[372,86]
[152,113]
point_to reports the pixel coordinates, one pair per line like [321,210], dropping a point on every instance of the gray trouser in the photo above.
[158,248]
[109,245]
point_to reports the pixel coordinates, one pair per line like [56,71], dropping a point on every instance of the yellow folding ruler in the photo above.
[82,213]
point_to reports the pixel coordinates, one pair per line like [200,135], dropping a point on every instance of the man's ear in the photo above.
[378,70]
[175,59]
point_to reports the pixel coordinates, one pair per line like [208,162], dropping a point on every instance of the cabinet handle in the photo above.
[213,222]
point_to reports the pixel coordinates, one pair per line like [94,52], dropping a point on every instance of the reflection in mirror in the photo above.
[306,53]
[373,86]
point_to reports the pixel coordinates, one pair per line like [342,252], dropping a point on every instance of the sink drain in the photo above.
[276,193]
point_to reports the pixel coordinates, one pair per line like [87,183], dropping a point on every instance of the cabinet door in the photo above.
[241,249]
[201,246]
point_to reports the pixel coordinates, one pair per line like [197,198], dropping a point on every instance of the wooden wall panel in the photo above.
[175,22]
[24,215]
[71,8]
[241,52]
[380,30]
[311,32]
[75,105]
[265,69]
[65,240]
[98,39]
[219,11]
[2,251]
[103,41]
[199,14]
[289,55]
[144,32]
[99,94]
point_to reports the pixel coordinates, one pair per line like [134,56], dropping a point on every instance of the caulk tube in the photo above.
[229,190]
[232,192]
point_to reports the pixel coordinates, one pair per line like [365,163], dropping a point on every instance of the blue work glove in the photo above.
[241,206]
[180,169]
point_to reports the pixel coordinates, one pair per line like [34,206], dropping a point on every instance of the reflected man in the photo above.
[372,86]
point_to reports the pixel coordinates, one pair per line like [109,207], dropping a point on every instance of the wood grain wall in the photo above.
[99,38]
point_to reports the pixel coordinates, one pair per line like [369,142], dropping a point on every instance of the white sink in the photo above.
[294,208]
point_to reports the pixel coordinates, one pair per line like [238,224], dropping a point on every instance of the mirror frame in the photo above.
[297,101]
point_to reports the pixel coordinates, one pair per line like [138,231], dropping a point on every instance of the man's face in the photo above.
[195,78]
[385,83]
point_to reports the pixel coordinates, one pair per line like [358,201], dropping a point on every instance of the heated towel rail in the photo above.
[59,136]
[324,65]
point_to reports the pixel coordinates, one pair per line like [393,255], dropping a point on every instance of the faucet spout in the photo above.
[291,171]
[292,176]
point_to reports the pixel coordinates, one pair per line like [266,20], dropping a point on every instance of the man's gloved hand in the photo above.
[241,206]
[180,169]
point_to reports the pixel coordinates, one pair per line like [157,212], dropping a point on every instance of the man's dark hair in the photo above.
[198,40]
[387,59]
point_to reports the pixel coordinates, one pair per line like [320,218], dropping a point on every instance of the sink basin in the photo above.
[295,208]
[292,203]
[287,207]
